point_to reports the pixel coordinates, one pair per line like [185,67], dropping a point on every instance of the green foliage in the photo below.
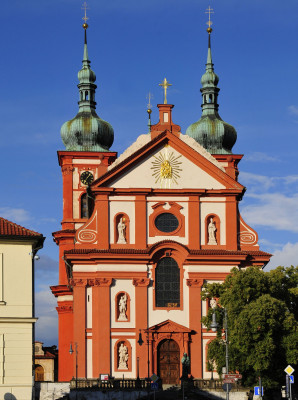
[262,323]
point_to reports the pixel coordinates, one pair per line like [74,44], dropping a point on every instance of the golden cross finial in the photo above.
[85,18]
[209,23]
[165,84]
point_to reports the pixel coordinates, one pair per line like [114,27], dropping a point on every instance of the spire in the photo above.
[87,132]
[211,131]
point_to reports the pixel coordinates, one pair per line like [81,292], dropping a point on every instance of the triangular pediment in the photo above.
[167,162]
[169,326]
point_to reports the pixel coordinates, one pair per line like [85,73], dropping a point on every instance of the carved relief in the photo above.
[141,281]
[87,234]
[103,281]
[246,236]
[198,283]
[64,309]
[67,170]
[78,282]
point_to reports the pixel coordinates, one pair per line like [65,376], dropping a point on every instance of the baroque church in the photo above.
[141,233]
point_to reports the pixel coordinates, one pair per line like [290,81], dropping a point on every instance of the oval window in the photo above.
[166,222]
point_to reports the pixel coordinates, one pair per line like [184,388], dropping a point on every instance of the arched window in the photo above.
[87,205]
[167,283]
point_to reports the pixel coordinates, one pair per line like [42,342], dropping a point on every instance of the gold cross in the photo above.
[85,7]
[165,84]
[209,11]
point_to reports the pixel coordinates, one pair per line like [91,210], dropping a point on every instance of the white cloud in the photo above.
[286,257]
[17,215]
[45,309]
[249,179]
[259,156]
[293,109]
[274,210]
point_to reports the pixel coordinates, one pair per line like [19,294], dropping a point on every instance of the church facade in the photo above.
[141,233]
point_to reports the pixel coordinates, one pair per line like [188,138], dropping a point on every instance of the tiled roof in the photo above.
[8,228]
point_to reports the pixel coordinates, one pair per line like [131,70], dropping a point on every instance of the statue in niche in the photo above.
[123,356]
[213,303]
[122,308]
[121,231]
[211,233]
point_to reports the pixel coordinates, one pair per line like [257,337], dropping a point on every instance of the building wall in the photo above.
[16,322]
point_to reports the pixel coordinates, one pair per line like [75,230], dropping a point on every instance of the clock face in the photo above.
[87,177]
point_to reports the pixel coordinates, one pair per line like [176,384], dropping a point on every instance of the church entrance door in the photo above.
[169,361]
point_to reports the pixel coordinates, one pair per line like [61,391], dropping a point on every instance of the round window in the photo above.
[166,222]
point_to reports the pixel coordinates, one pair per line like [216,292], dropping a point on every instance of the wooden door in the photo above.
[39,373]
[169,362]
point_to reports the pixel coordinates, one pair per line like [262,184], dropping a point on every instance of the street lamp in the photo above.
[141,341]
[214,326]
[76,354]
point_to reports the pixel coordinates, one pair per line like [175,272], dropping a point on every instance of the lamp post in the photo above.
[214,326]
[76,354]
[141,341]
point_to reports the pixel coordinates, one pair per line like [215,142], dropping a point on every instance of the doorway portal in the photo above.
[169,361]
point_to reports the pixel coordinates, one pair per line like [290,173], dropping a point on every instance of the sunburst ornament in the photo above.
[166,168]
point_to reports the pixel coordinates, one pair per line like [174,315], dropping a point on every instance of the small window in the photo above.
[166,222]
[87,205]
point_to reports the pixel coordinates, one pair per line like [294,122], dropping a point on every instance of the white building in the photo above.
[18,246]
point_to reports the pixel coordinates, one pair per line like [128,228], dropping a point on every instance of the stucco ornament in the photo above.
[122,308]
[121,231]
[166,168]
[211,233]
[213,303]
[123,356]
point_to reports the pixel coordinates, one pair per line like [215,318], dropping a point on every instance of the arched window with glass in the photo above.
[167,283]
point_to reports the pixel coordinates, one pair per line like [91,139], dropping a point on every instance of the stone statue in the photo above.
[211,232]
[121,232]
[122,308]
[213,303]
[123,357]
[185,361]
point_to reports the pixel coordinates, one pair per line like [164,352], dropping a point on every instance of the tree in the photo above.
[262,323]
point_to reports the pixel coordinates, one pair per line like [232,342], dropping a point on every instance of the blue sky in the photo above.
[133,45]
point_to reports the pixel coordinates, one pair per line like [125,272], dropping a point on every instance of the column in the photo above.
[67,170]
[66,369]
[102,205]
[79,328]
[194,237]
[101,326]
[195,316]
[231,223]
[141,311]
[141,227]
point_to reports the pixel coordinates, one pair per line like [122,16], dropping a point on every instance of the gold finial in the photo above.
[209,23]
[149,105]
[165,84]
[85,18]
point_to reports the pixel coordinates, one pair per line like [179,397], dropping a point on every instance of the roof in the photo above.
[8,228]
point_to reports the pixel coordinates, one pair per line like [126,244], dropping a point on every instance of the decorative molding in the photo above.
[170,207]
[64,309]
[78,282]
[142,282]
[67,170]
[196,283]
[103,282]
[246,235]
[87,234]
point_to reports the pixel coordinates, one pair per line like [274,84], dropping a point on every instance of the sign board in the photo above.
[154,378]
[154,385]
[104,377]
[228,380]
[289,370]
[292,378]
[227,387]
[257,390]
[232,376]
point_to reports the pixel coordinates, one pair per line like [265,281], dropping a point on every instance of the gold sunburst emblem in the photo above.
[166,168]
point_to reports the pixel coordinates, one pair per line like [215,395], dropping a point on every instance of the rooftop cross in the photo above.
[85,18]
[149,97]
[165,84]
[209,23]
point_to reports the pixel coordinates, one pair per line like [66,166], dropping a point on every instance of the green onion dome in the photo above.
[215,135]
[87,131]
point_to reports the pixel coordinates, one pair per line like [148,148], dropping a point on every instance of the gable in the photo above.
[166,168]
